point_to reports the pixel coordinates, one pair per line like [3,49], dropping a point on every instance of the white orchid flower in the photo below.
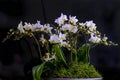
[54,38]
[60,21]
[37,26]
[48,58]
[42,39]
[47,28]
[104,38]
[53,56]
[73,19]
[20,28]
[94,39]
[75,29]
[62,36]
[63,43]
[70,28]
[65,27]
[91,25]
[29,26]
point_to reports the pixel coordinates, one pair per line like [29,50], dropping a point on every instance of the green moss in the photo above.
[77,71]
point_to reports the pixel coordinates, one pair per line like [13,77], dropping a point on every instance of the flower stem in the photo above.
[71,57]
[8,36]
[75,49]
[87,54]
[37,45]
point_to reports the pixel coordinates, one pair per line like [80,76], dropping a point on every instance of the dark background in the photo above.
[105,13]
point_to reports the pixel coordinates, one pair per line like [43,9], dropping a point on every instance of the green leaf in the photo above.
[33,72]
[83,53]
[59,54]
[37,71]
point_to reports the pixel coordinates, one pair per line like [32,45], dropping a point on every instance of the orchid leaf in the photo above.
[83,53]
[59,54]
[37,71]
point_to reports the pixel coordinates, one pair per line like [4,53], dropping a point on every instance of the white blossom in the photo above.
[91,25]
[81,24]
[73,19]
[53,56]
[94,39]
[104,38]
[37,26]
[54,38]
[20,28]
[29,26]
[47,28]
[63,43]
[65,27]
[60,20]
[70,28]
[75,29]
[62,36]
[42,39]
[48,58]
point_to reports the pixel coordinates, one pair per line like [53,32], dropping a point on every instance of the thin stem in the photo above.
[7,37]
[48,47]
[37,45]
[71,57]
[87,51]
[76,59]
[87,55]
[76,49]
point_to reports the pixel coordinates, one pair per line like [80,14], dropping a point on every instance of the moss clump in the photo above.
[76,70]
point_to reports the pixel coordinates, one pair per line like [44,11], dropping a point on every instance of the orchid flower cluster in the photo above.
[68,29]
[67,33]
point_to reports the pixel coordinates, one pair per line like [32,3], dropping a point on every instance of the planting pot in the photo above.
[74,79]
